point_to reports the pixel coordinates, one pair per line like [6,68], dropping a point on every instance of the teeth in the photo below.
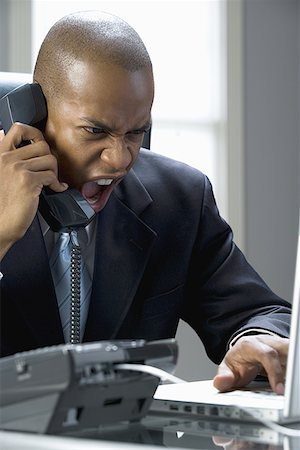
[104,181]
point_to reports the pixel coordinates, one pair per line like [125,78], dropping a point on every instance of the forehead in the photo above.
[86,82]
[108,93]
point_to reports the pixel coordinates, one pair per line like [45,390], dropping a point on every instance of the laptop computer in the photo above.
[256,401]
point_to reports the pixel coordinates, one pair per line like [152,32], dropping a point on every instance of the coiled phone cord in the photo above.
[75,275]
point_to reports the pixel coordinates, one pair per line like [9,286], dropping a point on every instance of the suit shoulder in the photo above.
[155,164]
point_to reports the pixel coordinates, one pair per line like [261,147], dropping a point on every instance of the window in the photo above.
[186,43]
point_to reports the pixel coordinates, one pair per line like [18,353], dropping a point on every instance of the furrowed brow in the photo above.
[97,124]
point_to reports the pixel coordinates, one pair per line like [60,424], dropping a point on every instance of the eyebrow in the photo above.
[96,124]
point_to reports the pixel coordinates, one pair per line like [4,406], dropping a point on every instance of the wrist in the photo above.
[249,332]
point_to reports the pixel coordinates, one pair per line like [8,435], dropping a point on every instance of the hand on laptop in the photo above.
[252,355]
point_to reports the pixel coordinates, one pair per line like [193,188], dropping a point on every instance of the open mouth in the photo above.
[97,192]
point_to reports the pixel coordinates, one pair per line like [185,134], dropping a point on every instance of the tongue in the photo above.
[90,189]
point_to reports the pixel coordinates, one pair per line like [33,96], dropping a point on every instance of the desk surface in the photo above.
[157,431]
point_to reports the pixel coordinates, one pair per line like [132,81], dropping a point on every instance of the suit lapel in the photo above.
[123,246]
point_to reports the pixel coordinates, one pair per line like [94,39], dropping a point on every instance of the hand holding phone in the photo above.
[63,211]
[22,175]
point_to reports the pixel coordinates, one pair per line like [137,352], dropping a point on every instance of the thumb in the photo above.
[225,378]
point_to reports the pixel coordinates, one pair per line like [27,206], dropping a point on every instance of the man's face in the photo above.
[96,127]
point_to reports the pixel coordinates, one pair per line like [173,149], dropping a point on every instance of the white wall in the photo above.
[15,35]
[271,98]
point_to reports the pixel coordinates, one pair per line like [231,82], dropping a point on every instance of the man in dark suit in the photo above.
[157,250]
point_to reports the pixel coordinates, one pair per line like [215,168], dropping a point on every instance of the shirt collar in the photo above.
[43,224]
[45,228]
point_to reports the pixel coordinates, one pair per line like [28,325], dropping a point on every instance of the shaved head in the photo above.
[89,37]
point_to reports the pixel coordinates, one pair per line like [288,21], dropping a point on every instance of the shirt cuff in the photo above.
[250,332]
[1,276]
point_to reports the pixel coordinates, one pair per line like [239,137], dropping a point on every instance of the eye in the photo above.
[95,130]
[136,133]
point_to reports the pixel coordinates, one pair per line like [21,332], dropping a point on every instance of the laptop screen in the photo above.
[292,394]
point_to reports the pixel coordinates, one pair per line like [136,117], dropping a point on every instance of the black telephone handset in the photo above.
[63,211]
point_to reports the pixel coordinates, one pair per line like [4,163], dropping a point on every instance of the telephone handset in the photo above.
[63,211]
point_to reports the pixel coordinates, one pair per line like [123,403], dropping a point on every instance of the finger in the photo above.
[37,171]
[225,378]
[269,353]
[39,163]
[30,160]
[1,135]
[48,178]
[46,164]
[239,367]
[271,363]
[27,152]
[35,164]
[18,133]
[251,356]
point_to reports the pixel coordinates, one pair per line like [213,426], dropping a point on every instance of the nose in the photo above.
[117,155]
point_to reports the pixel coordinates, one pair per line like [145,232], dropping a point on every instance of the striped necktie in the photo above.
[72,283]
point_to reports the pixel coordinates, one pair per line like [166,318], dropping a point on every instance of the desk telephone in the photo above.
[63,211]
[72,388]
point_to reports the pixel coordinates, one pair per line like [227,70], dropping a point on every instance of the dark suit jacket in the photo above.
[162,253]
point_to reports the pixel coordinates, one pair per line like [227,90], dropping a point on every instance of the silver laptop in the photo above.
[252,403]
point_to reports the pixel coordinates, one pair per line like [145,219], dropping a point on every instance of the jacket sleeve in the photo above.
[225,295]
